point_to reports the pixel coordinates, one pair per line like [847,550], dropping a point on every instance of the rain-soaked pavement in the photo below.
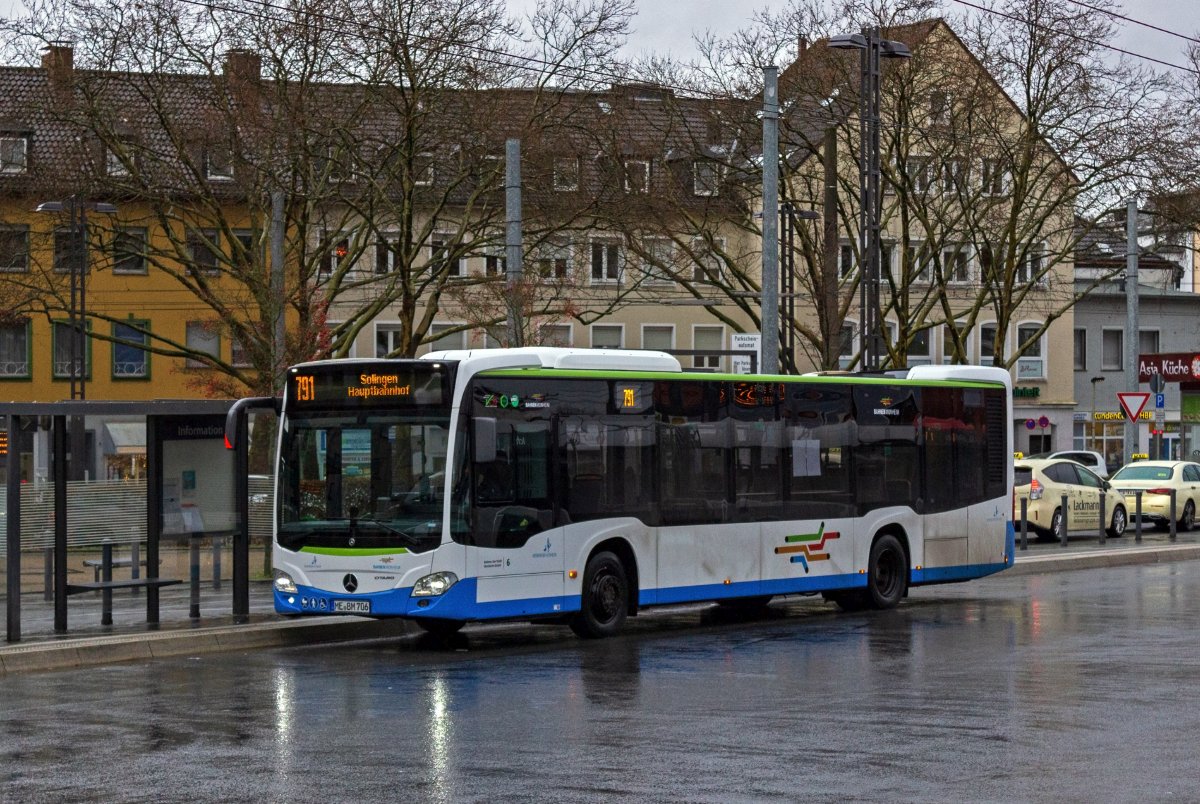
[1075,686]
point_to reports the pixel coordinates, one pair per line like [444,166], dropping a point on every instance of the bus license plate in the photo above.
[352,606]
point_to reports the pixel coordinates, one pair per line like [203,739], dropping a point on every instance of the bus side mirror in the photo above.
[485,440]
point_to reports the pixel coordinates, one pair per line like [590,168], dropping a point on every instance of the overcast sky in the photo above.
[662,27]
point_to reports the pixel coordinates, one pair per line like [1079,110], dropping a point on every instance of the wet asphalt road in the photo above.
[1077,686]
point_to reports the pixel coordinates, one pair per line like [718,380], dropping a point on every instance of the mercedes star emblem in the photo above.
[350,582]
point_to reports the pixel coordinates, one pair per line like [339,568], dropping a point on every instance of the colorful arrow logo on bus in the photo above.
[812,547]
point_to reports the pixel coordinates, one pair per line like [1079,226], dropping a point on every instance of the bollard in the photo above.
[1138,503]
[49,578]
[1103,514]
[1172,514]
[217,544]
[194,609]
[1066,520]
[106,577]
[1024,523]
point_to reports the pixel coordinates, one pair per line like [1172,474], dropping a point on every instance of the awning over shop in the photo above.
[125,438]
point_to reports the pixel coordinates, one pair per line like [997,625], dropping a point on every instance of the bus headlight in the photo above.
[434,585]
[284,583]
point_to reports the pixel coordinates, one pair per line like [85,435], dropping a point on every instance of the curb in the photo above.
[90,651]
[69,654]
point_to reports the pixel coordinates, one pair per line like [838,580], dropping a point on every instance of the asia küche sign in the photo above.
[1175,367]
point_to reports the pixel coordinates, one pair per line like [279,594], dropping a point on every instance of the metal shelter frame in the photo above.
[156,413]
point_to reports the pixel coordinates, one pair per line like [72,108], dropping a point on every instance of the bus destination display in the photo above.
[369,386]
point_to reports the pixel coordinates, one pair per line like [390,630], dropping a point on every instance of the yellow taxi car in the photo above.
[1044,483]
[1155,479]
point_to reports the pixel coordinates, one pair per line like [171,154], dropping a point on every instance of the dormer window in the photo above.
[637,176]
[113,166]
[566,174]
[14,155]
[706,178]
[218,164]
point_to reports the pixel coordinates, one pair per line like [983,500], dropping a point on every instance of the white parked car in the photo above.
[1084,457]
[1156,480]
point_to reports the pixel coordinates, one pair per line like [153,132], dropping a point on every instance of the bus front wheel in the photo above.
[605,599]
[887,573]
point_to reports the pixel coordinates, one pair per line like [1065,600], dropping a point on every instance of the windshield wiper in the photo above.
[407,533]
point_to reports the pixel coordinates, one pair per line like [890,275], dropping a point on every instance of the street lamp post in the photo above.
[76,212]
[871,47]
[1091,428]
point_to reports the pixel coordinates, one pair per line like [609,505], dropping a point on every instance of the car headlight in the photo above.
[284,583]
[434,585]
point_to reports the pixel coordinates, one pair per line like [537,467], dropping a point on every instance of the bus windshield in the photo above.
[363,454]
[362,481]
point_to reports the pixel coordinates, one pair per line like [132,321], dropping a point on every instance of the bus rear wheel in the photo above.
[887,573]
[605,598]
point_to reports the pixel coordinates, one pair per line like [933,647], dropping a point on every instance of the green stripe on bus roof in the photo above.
[351,551]
[604,374]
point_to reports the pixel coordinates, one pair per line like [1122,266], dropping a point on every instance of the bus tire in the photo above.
[887,573]
[440,628]
[604,602]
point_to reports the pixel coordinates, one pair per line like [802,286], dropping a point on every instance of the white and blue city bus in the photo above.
[584,485]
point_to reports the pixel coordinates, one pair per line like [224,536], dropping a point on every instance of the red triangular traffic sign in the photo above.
[1132,403]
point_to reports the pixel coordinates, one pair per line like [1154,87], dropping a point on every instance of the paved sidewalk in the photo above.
[130,638]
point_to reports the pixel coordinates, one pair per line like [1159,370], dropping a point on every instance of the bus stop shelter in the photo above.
[200,422]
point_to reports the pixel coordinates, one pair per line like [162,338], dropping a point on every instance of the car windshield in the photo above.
[1144,473]
[1040,456]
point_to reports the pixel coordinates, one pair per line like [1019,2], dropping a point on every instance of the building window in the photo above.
[1081,350]
[921,173]
[1029,266]
[387,253]
[659,260]
[994,177]
[495,264]
[847,262]
[566,174]
[956,264]
[65,259]
[1111,350]
[218,164]
[202,339]
[637,176]
[64,336]
[1031,365]
[954,175]
[129,251]
[709,266]
[1147,342]
[129,355]
[551,260]
[239,355]
[939,107]
[245,248]
[14,249]
[920,351]
[387,340]
[608,336]
[444,342]
[423,170]
[708,339]
[440,254]
[14,350]
[606,262]
[847,343]
[987,344]
[205,251]
[706,177]
[555,335]
[658,336]
[14,155]
[334,255]
[114,165]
